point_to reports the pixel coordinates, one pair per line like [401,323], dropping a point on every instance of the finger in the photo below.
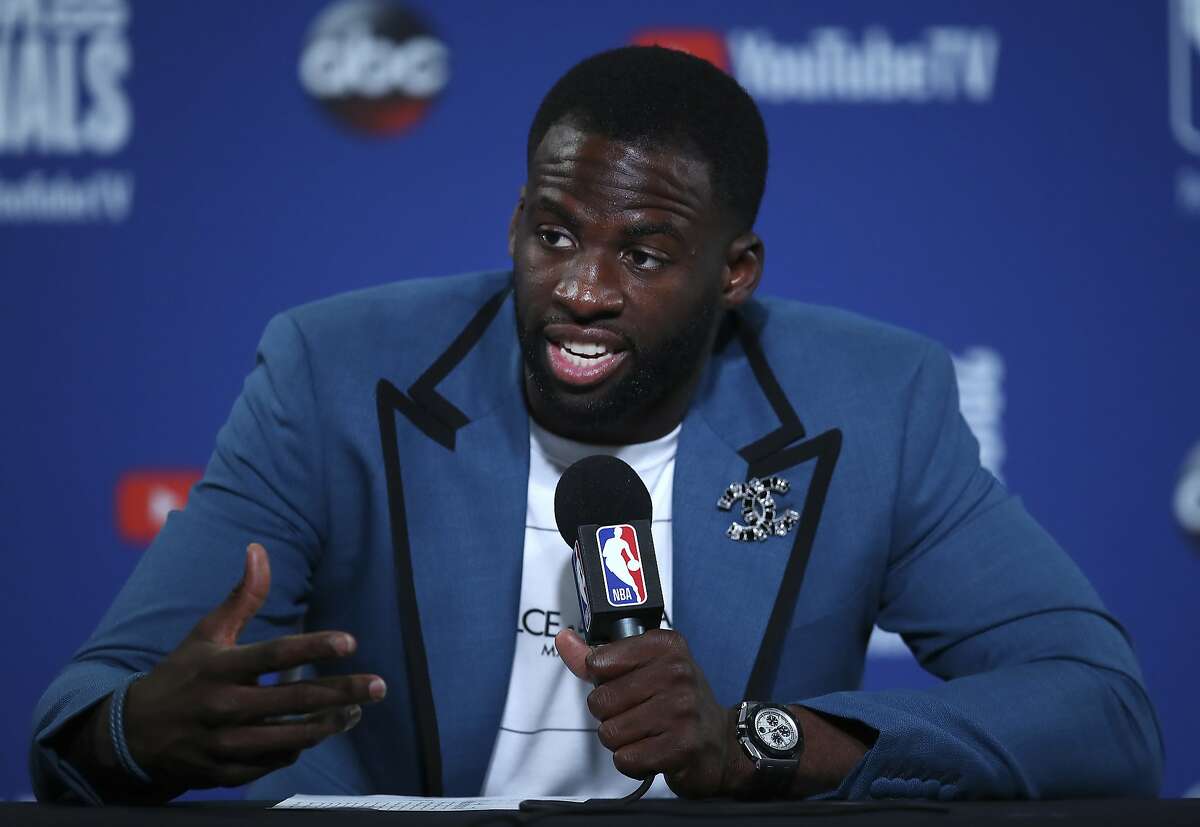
[643,721]
[231,774]
[224,623]
[573,652]
[659,753]
[622,656]
[253,704]
[626,692]
[283,653]
[248,744]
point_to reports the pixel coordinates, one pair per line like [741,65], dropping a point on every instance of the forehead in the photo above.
[611,175]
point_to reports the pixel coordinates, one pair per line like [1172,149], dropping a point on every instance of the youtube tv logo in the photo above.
[702,43]
[145,497]
[834,64]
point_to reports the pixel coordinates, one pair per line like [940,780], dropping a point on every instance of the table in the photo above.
[1159,813]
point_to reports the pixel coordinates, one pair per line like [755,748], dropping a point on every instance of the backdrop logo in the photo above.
[63,66]
[1184,56]
[144,498]
[374,65]
[980,375]
[701,43]
[834,65]
[1187,495]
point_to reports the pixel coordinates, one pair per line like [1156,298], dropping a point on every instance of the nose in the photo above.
[591,289]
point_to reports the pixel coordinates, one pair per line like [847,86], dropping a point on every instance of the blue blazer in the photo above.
[380,451]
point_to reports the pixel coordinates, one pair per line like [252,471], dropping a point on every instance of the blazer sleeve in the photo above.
[262,484]
[1043,697]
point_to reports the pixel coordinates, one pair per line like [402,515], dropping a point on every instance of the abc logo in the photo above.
[373,65]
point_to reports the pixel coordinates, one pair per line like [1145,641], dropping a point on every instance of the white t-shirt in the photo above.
[547,743]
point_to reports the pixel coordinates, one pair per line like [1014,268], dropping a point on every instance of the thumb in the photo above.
[224,623]
[573,652]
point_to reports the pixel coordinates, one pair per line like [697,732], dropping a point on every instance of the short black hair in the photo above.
[665,98]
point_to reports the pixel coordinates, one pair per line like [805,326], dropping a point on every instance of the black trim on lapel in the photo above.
[387,402]
[790,427]
[770,455]
[439,419]
[428,410]
[825,448]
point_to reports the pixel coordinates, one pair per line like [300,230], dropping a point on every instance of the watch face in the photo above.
[776,729]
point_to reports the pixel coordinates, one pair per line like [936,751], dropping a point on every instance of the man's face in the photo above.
[620,269]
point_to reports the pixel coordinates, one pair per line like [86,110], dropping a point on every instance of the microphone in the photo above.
[603,511]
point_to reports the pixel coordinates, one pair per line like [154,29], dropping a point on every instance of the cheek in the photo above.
[665,315]
[534,280]
[529,259]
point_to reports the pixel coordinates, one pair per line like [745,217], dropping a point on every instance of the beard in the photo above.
[656,373]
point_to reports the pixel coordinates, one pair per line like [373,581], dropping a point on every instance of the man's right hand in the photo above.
[200,719]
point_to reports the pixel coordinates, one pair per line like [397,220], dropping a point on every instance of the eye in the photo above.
[555,239]
[643,260]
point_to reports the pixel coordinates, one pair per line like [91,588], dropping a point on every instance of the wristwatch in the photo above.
[772,738]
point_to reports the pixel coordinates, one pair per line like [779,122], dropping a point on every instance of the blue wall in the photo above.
[1004,177]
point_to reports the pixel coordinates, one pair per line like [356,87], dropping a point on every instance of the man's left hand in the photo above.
[657,712]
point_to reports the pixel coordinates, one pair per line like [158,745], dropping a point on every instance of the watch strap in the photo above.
[773,776]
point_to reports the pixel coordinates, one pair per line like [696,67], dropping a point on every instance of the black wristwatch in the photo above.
[772,738]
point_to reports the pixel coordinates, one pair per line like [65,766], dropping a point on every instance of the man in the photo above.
[389,443]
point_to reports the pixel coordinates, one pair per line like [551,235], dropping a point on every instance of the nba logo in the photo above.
[625,585]
[1184,55]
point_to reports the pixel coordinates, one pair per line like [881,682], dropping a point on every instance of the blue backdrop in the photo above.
[1018,180]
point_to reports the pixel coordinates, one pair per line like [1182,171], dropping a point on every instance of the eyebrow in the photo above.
[634,232]
[657,228]
[559,210]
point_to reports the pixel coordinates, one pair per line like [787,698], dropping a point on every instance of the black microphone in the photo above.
[603,510]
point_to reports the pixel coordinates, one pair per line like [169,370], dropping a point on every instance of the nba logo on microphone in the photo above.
[625,584]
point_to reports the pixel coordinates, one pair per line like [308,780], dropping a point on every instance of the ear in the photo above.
[743,269]
[512,222]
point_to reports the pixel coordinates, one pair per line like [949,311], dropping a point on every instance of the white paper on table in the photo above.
[406,803]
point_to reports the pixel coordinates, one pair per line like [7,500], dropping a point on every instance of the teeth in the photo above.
[585,348]
[583,361]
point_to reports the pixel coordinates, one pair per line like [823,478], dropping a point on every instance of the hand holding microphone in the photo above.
[656,710]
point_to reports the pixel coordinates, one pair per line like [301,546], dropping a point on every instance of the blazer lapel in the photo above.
[734,600]
[458,466]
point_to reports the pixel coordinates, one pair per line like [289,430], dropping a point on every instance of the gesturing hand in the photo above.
[656,710]
[200,719]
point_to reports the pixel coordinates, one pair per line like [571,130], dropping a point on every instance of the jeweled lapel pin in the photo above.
[759,512]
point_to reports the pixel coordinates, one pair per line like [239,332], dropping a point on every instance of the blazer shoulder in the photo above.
[397,327]
[839,351]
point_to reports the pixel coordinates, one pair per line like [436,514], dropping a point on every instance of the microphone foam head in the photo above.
[599,490]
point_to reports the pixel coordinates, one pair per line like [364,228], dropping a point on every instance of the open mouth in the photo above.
[580,363]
